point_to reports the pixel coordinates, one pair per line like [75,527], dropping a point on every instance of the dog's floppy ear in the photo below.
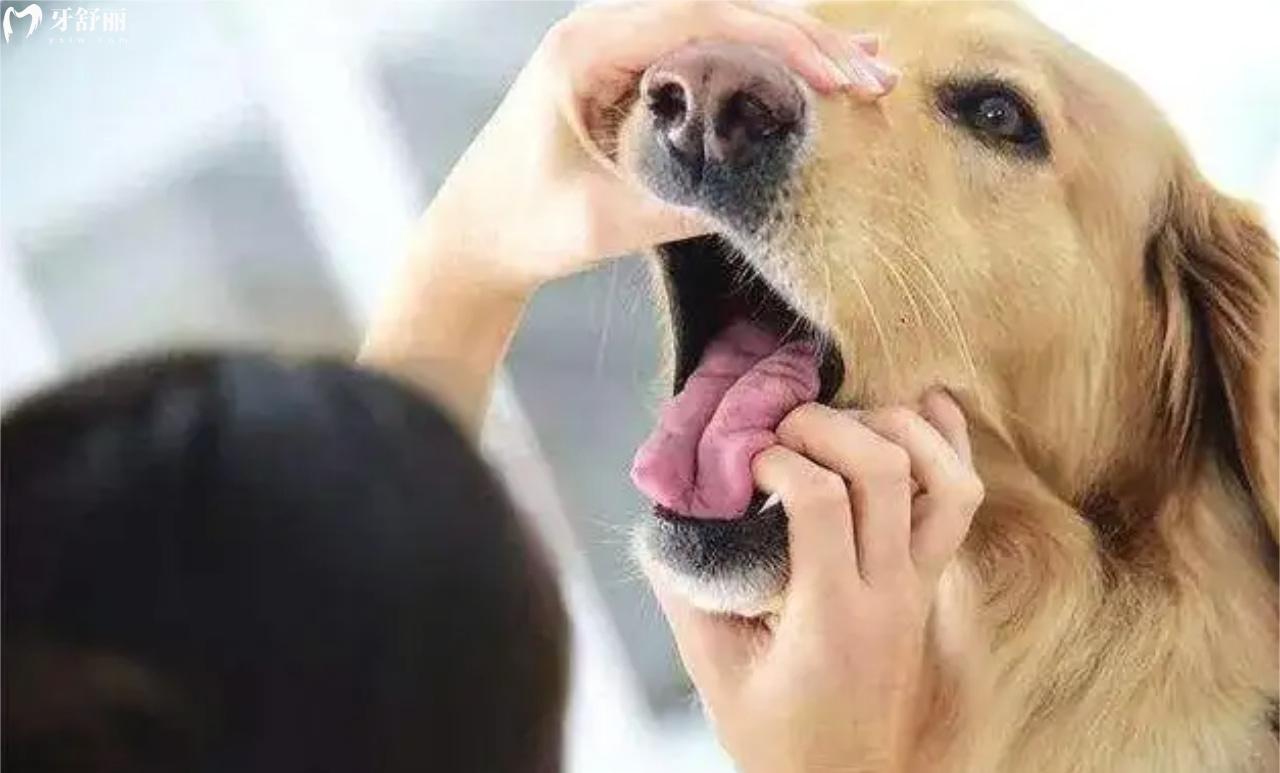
[1214,268]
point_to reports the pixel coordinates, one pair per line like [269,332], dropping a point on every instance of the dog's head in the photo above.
[1015,221]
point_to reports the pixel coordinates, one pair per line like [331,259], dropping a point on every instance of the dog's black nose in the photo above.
[721,104]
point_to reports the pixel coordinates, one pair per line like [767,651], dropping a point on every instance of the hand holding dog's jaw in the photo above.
[834,677]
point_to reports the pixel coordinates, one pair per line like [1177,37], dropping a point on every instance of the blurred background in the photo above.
[245,172]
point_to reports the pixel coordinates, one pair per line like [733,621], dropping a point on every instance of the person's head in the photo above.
[228,563]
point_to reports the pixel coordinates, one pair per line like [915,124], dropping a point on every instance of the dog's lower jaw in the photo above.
[753,592]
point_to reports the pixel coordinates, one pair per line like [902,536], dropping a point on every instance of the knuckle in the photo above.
[794,424]
[895,585]
[965,492]
[792,36]
[828,38]
[891,465]
[791,44]
[894,460]
[830,45]
[974,492]
[705,12]
[769,457]
[822,491]
[887,466]
[560,36]
[897,421]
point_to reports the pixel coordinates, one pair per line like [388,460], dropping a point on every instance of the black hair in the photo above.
[231,563]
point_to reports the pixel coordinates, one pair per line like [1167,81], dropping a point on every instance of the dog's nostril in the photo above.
[669,104]
[719,109]
[676,119]
[744,123]
[746,113]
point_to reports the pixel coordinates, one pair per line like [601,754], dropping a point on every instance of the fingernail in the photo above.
[839,78]
[887,74]
[869,42]
[939,389]
[865,77]
[862,74]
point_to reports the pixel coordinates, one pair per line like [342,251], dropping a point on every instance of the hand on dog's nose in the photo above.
[543,159]
[538,196]
[835,681]
[720,100]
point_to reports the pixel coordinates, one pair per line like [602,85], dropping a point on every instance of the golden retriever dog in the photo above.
[1017,222]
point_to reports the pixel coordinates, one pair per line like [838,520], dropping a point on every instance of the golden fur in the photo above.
[1109,322]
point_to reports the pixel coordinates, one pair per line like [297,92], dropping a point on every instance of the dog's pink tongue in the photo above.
[697,462]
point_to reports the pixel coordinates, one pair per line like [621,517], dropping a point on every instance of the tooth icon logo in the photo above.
[32,10]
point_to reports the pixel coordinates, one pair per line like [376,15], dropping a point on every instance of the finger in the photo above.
[790,43]
[853,54]
[942,522]
[878,475]
[602,43]
[867,41]
[935,463]
[819,517]
[716,650]
[669,223]
[951,489]
[941,410]
[594,55]
[601,51]
[618,231]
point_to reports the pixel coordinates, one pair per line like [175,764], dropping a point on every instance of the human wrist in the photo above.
[449,251]
[446,325]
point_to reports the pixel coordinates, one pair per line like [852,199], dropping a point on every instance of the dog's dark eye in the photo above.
[1001,117]
[995,114]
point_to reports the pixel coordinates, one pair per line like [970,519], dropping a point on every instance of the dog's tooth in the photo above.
[773,499]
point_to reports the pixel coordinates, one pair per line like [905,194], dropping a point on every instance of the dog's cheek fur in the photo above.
[1214,270]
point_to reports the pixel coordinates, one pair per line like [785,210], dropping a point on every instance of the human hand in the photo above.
[878,504]
[535,197]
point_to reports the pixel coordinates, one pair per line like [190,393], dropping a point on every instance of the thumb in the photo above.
[717,650]
[666,222]
[628,219]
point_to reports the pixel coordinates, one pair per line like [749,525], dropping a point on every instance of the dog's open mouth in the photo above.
[744,359]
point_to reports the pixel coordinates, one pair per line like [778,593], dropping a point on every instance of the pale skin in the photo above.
[878,501]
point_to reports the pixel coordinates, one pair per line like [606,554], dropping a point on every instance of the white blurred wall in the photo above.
[1213,67]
